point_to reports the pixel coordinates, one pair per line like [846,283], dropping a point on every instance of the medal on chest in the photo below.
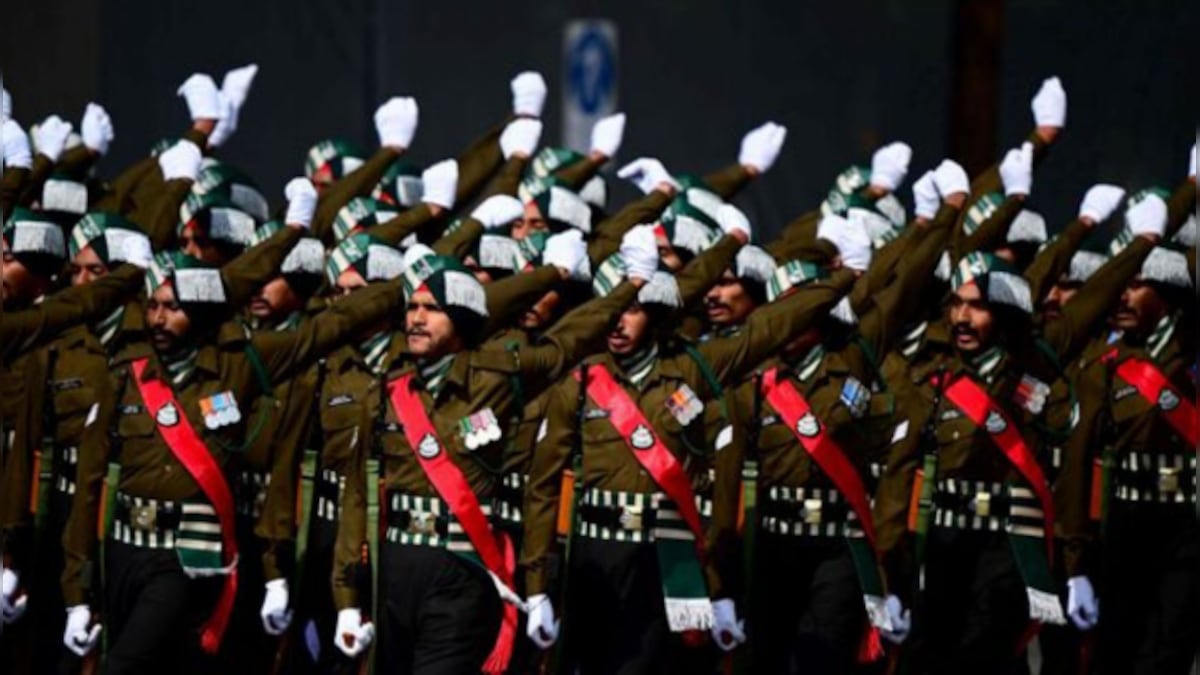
[220,410]
[480,428]
[856,397]
[1031,394]
[684,405]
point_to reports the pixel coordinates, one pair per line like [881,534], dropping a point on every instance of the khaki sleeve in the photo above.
[159,218]
[768,329]
[276,525]
[1054,260]
[1181,205]
[508,298]
[31,191]
[77,161]
[606,239]
[703,271]
[991,232]
[412,221]
[1071,331]
[577,174]
[457,244]
[80,555]
[286,353]
[725,571]
[728,181]
[478,162]
[799,232]
[551,457]
[25,329]
[892,500]
[351,531]
[257,265]
[357,183]
[11,184]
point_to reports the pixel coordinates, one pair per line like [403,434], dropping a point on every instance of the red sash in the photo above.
[793,408]
[195,457]
[494,551]
[648,450]
[978,406]
[1149,381]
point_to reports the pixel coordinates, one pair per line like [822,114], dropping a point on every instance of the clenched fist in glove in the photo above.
[180,161]
[852,241]
[568,252]
[498,211]
[201,95]
[648,174]
[889,165]
[900,618]
[234,90]
[1016,170]
[1148,217]
[1081,603]
[80,635]
[520,138]
[96,129]
[301,195]
[727,630]
[607,135]
[15,144]
[50,136]
[396,122]
[1100,202]
[1050,104]
[542,627]
[950,178]
[276,617]
[439,183]
[12,605]
[733,222]
[760,147]
[925,196]
[639,250]
[528,94]
[351,635]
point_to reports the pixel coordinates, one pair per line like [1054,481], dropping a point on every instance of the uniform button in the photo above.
[955,436]
[167,469]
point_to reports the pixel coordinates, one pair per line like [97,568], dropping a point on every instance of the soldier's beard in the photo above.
[165,342]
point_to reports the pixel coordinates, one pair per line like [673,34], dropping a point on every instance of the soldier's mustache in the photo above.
[964,330]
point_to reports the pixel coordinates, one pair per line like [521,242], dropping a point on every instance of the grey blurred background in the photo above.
[950,78]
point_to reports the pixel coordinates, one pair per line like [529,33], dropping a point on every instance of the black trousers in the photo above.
[154,612]
[808,614]
[1149,590]
[615,621]
[248,649]
[973,611]
[438,613]
[310,638]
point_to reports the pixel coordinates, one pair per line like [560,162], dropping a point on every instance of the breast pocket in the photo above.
[71,411]
[341,429]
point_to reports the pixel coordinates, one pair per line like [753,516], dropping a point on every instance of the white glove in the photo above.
[227,124]
[200,93]
[1016,170]
[352,636]
[1100,202]
[727,631]
[234,89]
[302,202]
[16,146]
[498,211]
[520,137]
[568,251]
[78,636]
[276,616]
[1148,216]
[396,121]
[889,165]
[646,173]
[639,250]
[760,147]
[950,178]
[237,82]
[1050,104]
[1081,603]
[528,94]
[901,621]
[11,607]
[439,182]
[181,160]
[96,128]
[542,627]
[607,135]
[852,241]
[50,136]
[5,104]
[731,219]
[1192,162]
[135,250]
[926,197]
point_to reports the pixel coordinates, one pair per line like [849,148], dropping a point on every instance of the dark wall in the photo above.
[693,76]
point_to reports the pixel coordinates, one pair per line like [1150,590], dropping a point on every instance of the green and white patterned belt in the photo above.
[161,524]
[987,506]
[807,512]
[426,521]
[510,497]
[1155,478]
[252,493]
[635,517]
